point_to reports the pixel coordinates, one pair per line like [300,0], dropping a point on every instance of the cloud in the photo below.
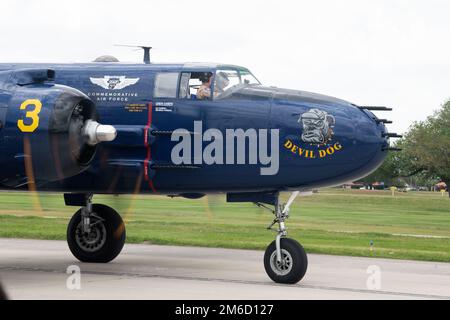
[388,52]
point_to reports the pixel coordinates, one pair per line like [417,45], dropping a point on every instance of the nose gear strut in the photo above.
[291,261]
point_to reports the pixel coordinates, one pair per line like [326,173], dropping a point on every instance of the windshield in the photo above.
[248,78]
[227,80]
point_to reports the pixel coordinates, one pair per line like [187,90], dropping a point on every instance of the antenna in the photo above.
[145,48]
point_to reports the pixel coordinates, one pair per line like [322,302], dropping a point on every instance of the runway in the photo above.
[36,269]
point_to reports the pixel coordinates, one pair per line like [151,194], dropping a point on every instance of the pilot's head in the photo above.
[222,81]
[205,78]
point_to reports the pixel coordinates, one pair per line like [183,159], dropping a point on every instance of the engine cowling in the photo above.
[48,132]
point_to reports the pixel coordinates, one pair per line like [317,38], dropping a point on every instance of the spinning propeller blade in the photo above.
[28,159]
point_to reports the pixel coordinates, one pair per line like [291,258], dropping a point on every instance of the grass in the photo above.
[413,225]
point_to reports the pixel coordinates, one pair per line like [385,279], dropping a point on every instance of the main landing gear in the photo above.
[96,233]
[285,260]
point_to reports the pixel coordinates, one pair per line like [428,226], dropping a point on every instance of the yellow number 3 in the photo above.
[33,115]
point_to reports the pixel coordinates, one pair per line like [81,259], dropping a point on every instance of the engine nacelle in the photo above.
[48,132]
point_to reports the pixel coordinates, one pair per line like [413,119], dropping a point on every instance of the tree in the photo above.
[388,172]
[425,152]
[427,145]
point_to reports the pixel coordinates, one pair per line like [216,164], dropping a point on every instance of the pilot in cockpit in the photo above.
[221,83]
[204,91]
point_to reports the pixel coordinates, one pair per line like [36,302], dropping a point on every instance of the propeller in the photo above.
[137,189]
[28,159]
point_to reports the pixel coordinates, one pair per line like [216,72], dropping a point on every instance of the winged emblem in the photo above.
[114,82]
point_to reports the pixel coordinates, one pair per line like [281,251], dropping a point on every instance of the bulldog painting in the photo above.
[317,127]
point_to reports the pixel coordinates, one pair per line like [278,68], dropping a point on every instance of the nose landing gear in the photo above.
[285,260]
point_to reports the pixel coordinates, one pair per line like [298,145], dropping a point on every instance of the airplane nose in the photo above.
[380,125]
[327,141]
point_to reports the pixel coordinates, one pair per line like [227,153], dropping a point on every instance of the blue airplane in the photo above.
[178,130]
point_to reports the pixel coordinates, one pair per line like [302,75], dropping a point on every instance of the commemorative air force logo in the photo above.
[317,133]
[114,82]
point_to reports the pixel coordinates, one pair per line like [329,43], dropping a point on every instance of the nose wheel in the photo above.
[292,266]
[96,233]
[285,260]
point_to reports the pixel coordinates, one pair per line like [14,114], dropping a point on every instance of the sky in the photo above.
[393,53]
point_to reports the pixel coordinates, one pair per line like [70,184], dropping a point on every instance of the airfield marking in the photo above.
[425,236]
[429,236]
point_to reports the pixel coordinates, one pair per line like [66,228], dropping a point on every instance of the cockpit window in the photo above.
[224,80]
[195,85]
[166,85]
[248,78]
[202,85]
[228,81]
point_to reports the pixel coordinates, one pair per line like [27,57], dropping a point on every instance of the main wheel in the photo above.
[104,241]
[293,265]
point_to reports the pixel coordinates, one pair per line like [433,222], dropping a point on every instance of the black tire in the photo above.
[290,273]
[106,239]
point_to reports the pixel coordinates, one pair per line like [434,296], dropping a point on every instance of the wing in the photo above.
[100,82]
[126,82]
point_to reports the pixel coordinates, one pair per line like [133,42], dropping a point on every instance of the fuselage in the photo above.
[289,139]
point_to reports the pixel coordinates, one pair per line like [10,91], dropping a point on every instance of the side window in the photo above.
[195,85]
[166,85]
[184,86]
